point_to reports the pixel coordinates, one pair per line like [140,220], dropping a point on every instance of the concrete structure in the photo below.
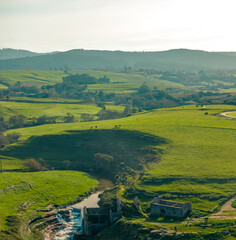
[160,207]
[95,219]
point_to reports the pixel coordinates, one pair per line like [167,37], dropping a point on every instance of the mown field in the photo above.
[198,163]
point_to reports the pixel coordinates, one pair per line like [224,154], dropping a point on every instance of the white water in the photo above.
[73,225]
[75,221]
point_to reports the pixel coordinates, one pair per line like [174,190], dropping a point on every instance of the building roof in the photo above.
[158,201]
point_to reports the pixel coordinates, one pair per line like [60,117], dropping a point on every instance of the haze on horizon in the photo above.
[129,25]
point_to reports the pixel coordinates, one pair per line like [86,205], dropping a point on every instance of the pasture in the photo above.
[232,114]
[120,82]
[26,193]
[31,77]
[197,164]
[51,109]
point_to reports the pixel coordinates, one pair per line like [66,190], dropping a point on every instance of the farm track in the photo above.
[226,211]
[225,114]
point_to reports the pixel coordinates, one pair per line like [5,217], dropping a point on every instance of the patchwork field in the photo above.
[31,76]
[198,161]
[120,82]
[51,109]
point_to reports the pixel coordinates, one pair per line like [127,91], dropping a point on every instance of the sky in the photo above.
[128,25]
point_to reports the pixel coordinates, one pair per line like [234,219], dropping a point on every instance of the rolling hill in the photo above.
[178,59]
[9,53]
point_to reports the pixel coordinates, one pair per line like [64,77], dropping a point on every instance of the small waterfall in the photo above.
[71,226]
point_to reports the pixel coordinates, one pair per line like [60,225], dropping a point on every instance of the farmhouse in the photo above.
[160,207]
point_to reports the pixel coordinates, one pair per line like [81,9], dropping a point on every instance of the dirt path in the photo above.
[225,114]
[226,211]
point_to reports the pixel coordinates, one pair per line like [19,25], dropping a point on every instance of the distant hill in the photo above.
[179,59]
[9,53]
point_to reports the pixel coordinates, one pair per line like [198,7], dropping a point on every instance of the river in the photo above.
[73,222]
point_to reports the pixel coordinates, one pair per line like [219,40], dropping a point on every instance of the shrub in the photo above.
[33,165]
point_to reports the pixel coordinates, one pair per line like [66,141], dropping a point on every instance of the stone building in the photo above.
[160,207]
[95,219]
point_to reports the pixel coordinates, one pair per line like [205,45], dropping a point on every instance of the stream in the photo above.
[72,222]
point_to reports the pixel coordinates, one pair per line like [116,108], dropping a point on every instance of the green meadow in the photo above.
[44,100]
[26,193]
[31,76]
[51,109]
[120,82]
[197,163]
[232,114]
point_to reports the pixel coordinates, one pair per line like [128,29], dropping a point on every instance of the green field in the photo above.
[53,109]
[31,76]
[3,86]
[120,82]
[44,100]
[199,159]
[232,114]
[25,194]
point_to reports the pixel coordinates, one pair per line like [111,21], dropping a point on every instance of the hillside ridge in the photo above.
[174,59]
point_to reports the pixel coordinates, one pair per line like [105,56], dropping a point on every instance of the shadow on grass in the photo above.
[128,149]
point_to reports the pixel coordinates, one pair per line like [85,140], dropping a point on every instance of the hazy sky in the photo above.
[142,25]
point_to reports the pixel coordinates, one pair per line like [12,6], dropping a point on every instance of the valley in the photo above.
[184,153]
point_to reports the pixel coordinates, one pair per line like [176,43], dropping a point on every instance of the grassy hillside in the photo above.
[197,163]
[31,77]
[79,147]
[25,194]
[53,109]
[120,82]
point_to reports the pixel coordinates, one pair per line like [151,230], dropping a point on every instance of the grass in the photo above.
[54,109]
[31,76]
[127,229]
[199,159]
[232,114]
[120,82]
[44,100]
[25,194]
[11,163]
[80,146]
[228,90]
[3,86]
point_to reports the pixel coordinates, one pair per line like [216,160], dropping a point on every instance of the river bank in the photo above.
[64,223]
